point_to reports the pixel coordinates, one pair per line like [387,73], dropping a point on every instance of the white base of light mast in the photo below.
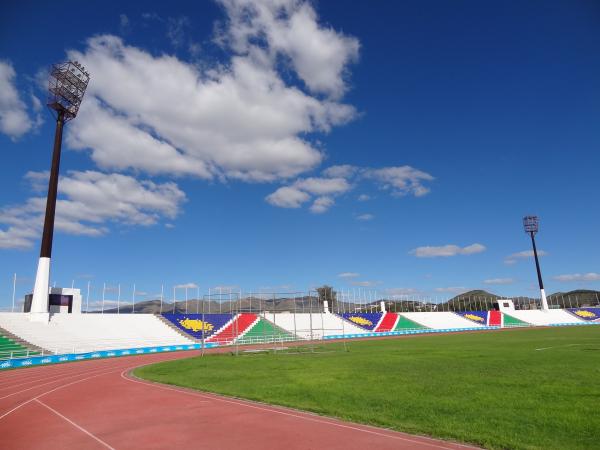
[39,302]
[544,300]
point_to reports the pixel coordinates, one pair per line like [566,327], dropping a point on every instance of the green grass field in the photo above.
[496,389]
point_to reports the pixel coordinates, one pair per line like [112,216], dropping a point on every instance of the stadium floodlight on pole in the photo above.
[67,85]
[532,226]
[14,291]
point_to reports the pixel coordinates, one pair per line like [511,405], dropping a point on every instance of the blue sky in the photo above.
[282,145]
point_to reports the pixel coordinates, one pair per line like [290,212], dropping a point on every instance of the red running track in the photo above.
[96,405]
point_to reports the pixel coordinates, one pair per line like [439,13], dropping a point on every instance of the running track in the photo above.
[98,405]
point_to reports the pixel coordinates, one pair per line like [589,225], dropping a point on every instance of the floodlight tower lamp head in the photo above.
[66,87]
[531,224]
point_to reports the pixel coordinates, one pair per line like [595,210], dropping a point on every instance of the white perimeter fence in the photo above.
[123,298]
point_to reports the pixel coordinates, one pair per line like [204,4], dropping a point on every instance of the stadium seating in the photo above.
[378,322]
[541,318]
[264,331]
[368,321]
[441,320]
[587,314]
[314,326]
[511,322]
[78,333]
[388,322]
[479,317]
[237,327]
[200,326]
[10,348]
[226,329]
[488,318]
[404,324]
[70,333]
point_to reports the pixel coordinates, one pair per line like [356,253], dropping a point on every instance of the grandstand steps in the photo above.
[81,333]
[387,322]
[179,331]
[494,318]
[248,329]
[407,324]
[19,342]
[442,320]
[589,314]
[366,321]
[240,324]
[540,317]
[509,321]
[264,331]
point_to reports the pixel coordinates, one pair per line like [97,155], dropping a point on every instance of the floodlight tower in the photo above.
[532,226]
[66,86]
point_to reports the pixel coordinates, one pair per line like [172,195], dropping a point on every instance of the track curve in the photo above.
[97,404]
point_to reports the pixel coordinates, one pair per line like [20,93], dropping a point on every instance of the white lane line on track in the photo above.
[308,416]
[26,373]
[75,425]
[113,369]
[83,372]
[53,375]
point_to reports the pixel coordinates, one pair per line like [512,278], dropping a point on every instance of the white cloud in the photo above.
[499,281]
[14,120]
[323,186]
[401,180]
[512,259]
[341,171]
[301,191]
[239,120]
[364,198]
[287,197]
[348,275]
[186,286]
[321,204]
[590,276]
[365,283]
[88,202]
[447,250]
[365,217]
[176,30]
[452,289]
[319,55]
[472,249]
[129,147]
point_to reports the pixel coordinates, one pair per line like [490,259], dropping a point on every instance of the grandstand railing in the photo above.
[84,347]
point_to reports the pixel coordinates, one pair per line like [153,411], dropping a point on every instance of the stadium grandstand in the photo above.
[25,341]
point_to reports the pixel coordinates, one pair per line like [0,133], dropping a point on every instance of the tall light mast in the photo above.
[532,225]
[66,87]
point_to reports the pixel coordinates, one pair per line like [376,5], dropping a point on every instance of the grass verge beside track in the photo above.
[522,389]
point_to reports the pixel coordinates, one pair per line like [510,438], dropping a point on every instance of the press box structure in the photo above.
[60,300]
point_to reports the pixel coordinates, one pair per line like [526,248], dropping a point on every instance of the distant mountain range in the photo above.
[475,299]
[575,298]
